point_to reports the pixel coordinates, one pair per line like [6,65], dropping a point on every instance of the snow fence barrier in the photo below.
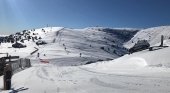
[19,64]
[16,65]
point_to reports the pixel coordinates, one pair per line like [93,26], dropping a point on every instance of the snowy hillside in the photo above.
[153,35]
[69,72]
[94,44]
[62,49]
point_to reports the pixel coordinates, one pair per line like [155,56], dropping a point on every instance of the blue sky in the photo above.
[17,15]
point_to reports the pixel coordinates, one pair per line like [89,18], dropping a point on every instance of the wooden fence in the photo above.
[19,64]
[16,65]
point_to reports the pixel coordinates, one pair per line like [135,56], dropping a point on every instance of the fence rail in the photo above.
[36,49]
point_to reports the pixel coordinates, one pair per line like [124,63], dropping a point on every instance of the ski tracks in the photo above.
[58,76]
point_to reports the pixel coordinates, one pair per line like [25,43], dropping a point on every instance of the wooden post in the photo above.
[7,54]
[7,77]
[162,40]
[9,58]
[20,65]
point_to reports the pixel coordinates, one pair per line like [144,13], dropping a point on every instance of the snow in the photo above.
[147,71]
[141,72]
[153,35]
[22,52]
[3,35]
[140,60]
[71,42]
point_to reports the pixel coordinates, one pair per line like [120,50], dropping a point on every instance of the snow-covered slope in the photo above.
[95,43]
[6,47]
[153,35]
[141,72]
[92,43]
[63,48]
[139,60]
[144,71]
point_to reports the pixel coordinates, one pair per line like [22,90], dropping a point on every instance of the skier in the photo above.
[80,54]
[38,54]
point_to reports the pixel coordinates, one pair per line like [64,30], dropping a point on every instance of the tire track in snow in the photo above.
[104,84]
[42,73]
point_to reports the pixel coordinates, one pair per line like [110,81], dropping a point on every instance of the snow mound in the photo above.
[136,61]
[123,64]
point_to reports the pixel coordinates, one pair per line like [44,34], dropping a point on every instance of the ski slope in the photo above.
[67,72]
[71,42]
